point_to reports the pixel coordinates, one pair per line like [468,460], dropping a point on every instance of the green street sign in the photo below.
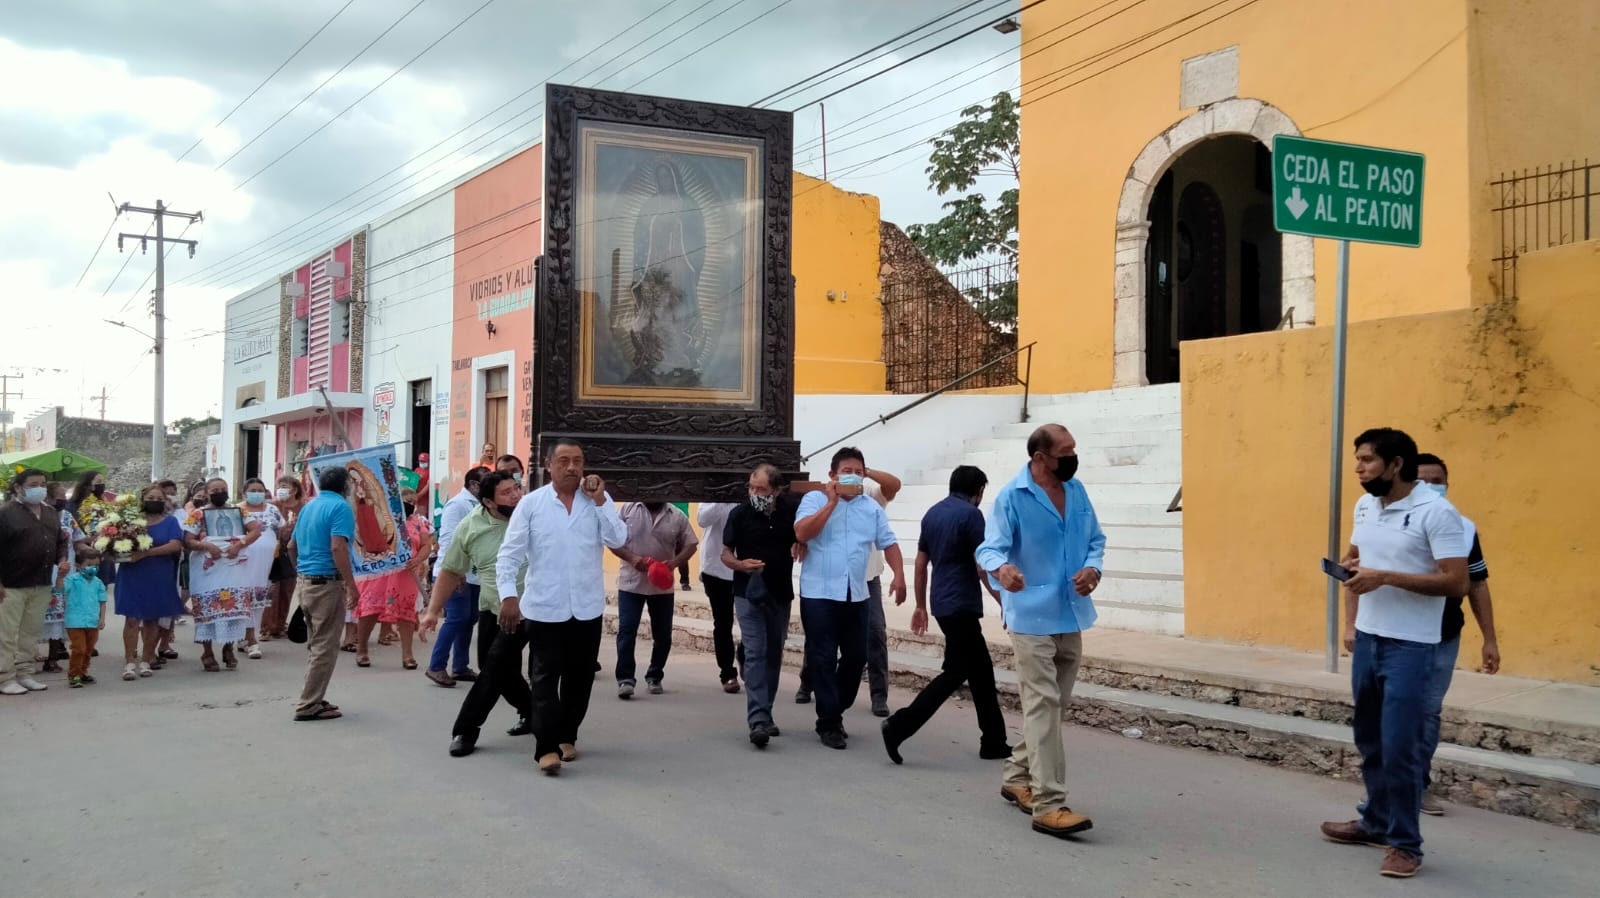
[1346,192]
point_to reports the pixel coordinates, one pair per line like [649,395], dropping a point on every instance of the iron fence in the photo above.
[1540,209]
[938,326]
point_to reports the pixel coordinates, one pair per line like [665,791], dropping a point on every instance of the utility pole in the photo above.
[102,400]
[158,426]
[5,407]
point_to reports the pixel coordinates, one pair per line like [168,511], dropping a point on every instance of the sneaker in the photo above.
[30,684]
[441,679]
[130,671]
[833,739]
[75,682]
[625,689]
[1021,796]
[12,687]
[88,680]
[253,651]
[144,670]
[1399,864]
[1431,806]
[759,737]
[1061,822]
[654,686]
[1351,833]
[802,697]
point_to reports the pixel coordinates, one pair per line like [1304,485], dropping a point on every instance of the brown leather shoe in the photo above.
[569,752]
[1351,833]
[550,764]
[1061,823]
[1021,796]
[1400,864]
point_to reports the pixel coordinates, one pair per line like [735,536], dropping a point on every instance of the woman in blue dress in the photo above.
[147,585]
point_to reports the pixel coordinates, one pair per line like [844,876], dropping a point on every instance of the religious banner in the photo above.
[374,496]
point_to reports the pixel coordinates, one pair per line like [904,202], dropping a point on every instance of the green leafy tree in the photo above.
[976,230]
[187,425]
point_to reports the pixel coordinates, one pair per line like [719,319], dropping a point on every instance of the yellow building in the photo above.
[1148,248]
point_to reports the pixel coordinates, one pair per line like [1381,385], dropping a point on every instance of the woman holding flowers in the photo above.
[220,586]
[257,561]
[147,582]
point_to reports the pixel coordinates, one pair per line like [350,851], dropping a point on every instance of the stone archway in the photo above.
[1253,118]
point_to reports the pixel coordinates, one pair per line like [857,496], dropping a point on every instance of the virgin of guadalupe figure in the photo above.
[669,253]
[375,530]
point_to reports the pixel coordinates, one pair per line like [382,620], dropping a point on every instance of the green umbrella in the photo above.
[409,479]
[59,464]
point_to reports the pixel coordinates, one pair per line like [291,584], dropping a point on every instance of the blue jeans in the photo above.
[877,648]
[1390,680]
[836,653]
[1444,668]
[460,611]
[764,629]
[630,609]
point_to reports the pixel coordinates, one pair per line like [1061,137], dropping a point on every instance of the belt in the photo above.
[321,581]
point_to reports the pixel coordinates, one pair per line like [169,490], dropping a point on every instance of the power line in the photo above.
[140,289]
[125,260]
[257,89]
[103,238]
[712,43]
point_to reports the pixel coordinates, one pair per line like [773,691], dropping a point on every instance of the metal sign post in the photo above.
[1344,192]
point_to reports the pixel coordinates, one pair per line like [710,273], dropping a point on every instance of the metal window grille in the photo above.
[938,325]
[1543,208]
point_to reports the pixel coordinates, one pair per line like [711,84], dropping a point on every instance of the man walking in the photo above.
[327,585]
[33,553]
[1407,553]
[461,610]
[952,531]
[1044,546]
[559,533]
[758,547]
[717,578]
[659,535]
[840,529]
[476,548]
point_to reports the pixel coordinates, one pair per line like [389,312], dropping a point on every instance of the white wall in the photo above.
[410,282]
[928,436]
[250,356]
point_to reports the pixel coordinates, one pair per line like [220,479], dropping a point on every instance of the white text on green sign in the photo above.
[1347,192]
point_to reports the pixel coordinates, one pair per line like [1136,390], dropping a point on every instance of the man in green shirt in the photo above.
[475,548]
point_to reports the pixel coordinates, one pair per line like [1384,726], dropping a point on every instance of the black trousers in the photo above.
[561,676]
[836,652]
[719,593]
[488,629]
[966,660]
[499,676]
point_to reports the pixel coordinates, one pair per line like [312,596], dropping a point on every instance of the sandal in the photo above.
[409,664]
[363,661]
[168,654]
[209,663]
[324,711]
[229,659]
[348,647]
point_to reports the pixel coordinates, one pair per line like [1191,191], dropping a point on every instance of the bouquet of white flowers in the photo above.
[121,529]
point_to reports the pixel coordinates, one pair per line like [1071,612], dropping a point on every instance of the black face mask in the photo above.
[1066,467]
[219,499]
[1378,486]
[150,506]
[654,507]
[97,490]
[505,510]
[410,507]
[60,504]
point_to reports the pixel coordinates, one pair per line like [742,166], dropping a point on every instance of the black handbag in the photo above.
[297,631]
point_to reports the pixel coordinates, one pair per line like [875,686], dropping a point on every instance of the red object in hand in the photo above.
[660,575]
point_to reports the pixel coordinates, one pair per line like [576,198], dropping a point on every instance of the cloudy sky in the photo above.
[109,98]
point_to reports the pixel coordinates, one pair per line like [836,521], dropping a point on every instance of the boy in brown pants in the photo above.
[85,615]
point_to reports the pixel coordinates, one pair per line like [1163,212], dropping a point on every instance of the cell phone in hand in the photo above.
[1336,571]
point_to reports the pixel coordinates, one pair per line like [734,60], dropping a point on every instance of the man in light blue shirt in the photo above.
[1044,547]
[840,529]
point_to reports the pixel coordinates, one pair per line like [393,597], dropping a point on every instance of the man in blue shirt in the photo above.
[840,529]
[952,530]
[1044,547]
[462,608]
[327,586]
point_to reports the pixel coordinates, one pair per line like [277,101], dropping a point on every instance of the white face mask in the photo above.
[34,495]
[283,494]
[1439,488]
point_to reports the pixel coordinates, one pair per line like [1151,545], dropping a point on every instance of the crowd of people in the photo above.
[526,568]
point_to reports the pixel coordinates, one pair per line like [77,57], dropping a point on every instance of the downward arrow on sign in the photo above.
[1297,205]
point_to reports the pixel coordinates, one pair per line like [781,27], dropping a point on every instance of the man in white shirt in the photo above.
[461,611]
[560,532]
[717,578]
[1408,551]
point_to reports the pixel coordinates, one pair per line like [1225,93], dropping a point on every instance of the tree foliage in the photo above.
[186,426]
[974,229]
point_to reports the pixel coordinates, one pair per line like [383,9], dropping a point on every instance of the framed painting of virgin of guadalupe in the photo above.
[665,306]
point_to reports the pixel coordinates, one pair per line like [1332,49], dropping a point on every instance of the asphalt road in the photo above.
[194,784]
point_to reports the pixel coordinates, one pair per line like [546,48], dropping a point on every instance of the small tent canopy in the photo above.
[59,464]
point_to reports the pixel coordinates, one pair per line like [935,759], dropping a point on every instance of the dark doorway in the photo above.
[252,452]
[421,419]
[1214,263]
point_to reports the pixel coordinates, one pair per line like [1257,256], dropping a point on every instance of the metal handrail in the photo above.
[1027,372]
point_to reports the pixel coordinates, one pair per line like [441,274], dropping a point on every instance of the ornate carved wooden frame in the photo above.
[668,451]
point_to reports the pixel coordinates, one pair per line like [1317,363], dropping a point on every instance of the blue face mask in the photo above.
[851,480]
[255,497]
[1439,488]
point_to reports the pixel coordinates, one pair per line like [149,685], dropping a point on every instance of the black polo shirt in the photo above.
[1454,620]
[768,537]
[30,546]
[952,530]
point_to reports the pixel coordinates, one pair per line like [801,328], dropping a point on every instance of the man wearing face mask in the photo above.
[1408,551]
[33,549]
[659,536]
[758,547]
[1044,547]
[840,527]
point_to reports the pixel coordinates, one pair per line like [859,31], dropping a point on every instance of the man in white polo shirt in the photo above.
[1407,553]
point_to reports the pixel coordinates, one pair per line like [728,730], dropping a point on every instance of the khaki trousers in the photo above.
[324,604]
[21,620]
[1047,666]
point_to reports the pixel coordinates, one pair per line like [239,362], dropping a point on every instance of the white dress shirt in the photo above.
[455,511]
[563,552]
[713,517]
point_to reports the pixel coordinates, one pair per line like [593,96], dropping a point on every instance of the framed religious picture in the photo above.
[224,524]
[665,306]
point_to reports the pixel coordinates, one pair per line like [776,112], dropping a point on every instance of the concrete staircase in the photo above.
[1130,450]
